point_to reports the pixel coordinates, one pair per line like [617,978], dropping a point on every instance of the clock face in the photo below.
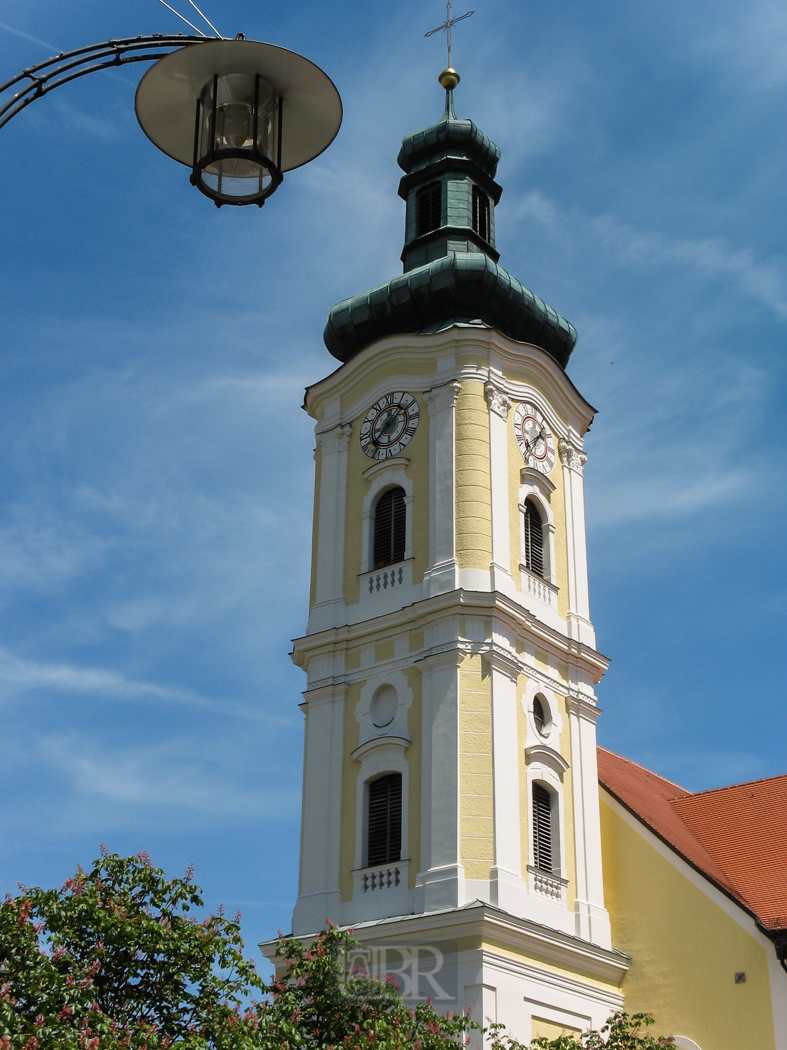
[389,424]
[534,437]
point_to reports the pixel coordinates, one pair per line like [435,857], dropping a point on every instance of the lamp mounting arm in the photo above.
[37,81]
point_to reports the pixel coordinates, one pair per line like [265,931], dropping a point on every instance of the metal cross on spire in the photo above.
[446,27]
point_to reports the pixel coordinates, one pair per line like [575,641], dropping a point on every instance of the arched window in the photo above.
[390,527]
[480,213]
[534,538]
[543,857]
[428,204]
[384,841]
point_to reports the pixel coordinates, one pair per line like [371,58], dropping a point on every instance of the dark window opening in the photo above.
[480,213]
[390,521]
[534,539]
[429,209]
[539,717]
[542,829]
[385,820]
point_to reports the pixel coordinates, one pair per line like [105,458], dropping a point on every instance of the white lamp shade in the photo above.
[167,96]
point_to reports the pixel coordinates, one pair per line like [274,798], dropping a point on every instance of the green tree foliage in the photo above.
[116,960]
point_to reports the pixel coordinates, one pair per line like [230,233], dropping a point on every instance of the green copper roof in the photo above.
[450,137]
[459,287]
[450,261]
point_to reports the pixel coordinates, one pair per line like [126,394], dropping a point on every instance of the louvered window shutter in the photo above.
[480,213]
[385,820]
[542,828]
[390,525]
[534,539]
[429,208]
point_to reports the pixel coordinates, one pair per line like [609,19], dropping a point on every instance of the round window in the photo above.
[383,707]
[541,715]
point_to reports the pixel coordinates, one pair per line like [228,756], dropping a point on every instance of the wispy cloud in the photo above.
[18,676]
[166,777]
[763,280]
[53,50]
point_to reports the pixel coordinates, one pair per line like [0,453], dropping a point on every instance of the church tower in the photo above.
[450,790]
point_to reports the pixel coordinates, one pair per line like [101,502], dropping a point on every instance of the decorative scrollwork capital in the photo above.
[498,401]
[441,397]
[335,440]
[571,456]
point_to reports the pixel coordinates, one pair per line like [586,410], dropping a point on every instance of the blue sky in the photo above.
[156,468]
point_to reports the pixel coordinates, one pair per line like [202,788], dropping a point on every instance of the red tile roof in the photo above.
[734,836]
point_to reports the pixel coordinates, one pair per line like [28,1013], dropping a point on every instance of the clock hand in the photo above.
[541,436]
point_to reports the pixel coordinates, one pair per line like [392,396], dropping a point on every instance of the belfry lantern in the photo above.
[238,112]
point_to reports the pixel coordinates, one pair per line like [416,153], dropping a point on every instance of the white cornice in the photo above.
[461,603]
[409,351]
[482,920]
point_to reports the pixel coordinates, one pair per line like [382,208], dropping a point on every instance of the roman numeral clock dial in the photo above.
[534,437]
[389,424]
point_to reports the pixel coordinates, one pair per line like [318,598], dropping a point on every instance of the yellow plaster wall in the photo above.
[476,838]
[685,949]
[384,651]
[545,963]
[413,757]
[568,806]
[524,801]
[473,479]
[543,1029]
[515,465]
[350,771]
[558,504]
[352,660]
[315,521]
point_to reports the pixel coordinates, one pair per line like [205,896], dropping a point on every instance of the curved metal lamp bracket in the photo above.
[70,65]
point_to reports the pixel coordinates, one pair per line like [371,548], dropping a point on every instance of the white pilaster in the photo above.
[499,407]
[328,608]
[319,895]
[579,625]
[592,918]
[439,883]
[508,890]
[442,574]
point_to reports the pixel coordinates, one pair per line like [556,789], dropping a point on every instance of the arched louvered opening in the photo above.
[543,855]
[429,208]
[390,527]
[480,213]
[384,842]
[534,538]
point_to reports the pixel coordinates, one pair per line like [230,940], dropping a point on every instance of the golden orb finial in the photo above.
[449,78]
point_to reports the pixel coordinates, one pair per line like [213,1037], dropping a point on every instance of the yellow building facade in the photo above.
[452,813]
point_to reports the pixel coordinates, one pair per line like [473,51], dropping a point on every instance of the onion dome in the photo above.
[451,272]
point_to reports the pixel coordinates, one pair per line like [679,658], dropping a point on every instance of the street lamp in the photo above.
[238,112]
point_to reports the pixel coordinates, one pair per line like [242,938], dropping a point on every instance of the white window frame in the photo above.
[378,757]
[385,475]
[538,488]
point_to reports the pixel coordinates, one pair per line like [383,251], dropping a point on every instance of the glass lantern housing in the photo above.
[237,141]
[239,113]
